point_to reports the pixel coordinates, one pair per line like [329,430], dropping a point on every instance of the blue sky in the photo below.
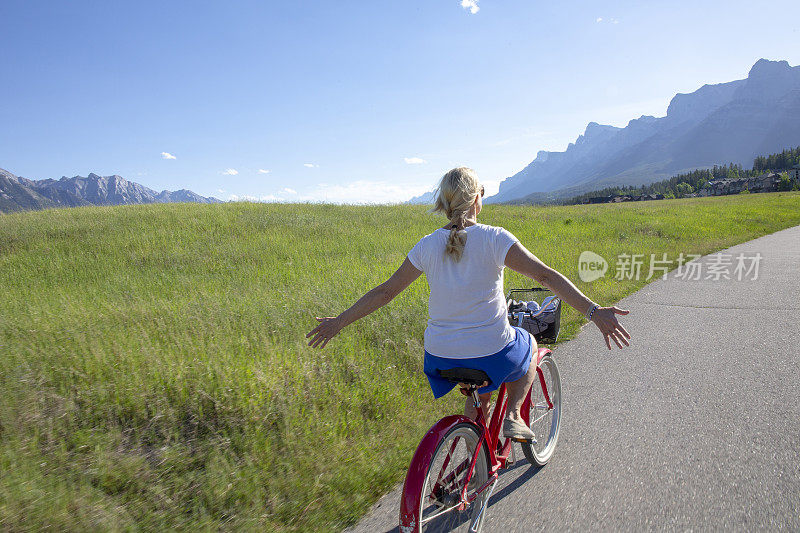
[366,101]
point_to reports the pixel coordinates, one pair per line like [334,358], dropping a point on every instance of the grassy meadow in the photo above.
[153,367]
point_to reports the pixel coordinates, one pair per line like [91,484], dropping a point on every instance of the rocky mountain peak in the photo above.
[6,174]
[19,193]
[595,133]
[593,129]
[644,119]
[766,68]
[699,104]
[769,80]
[716,124]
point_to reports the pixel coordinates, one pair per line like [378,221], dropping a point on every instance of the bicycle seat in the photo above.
[468,376]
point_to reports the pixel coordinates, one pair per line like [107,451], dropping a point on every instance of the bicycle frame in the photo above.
[489,435]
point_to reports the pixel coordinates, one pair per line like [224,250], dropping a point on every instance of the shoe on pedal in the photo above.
[517,431]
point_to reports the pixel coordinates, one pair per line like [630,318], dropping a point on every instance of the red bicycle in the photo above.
[456,466]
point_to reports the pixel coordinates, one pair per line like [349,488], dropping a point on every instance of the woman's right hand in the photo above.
[605,319]
[327,329]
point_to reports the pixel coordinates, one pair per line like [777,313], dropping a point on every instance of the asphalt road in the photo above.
[695,426]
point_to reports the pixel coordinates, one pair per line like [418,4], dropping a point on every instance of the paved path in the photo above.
[696,426]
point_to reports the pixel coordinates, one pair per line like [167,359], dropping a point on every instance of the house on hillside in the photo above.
[644,197]
[600,199]
[717,187]
[762,183]
[765,183]
[794,173]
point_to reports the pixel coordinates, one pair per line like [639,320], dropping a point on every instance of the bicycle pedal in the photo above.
[523,441]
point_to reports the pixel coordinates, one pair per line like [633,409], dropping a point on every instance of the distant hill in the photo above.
[21,194]
[729,122]
[426,198]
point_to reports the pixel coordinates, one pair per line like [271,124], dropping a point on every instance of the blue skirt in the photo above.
[509,364]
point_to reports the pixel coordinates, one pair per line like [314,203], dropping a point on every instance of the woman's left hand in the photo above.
[605,319]
[327,329]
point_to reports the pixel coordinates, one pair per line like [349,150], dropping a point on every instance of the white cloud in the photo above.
[230,172]
[363,192]
[263,171]
[470,5]
[220,191]
[266,198]
[599,19]
[356,192]
[167,155]
[245,198]
[310,165]
[611,20]
[414,160]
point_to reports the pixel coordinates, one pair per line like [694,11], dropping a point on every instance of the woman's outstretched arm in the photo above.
[521,260]
[381,295]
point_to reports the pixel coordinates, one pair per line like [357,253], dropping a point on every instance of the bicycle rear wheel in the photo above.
[545,420]
[440,501]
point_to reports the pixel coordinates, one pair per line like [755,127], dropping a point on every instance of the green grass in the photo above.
[153,367]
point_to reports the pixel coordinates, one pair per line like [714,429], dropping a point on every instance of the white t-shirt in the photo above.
[467,308]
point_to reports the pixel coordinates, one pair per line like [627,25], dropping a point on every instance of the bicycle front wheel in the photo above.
[545,417]
[441,507]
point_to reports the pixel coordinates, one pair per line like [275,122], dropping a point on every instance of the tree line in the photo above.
[685,184]
[782,161]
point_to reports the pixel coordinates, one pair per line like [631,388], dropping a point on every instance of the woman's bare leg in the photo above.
[517,390]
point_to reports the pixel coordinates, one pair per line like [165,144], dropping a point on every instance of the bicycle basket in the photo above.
[535,312]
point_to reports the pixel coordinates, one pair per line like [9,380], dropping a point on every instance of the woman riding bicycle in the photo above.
[468,319]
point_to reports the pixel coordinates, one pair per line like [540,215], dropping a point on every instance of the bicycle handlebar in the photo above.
[523,314]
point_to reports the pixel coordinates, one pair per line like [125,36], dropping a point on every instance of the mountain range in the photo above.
[19,194]
[724,123]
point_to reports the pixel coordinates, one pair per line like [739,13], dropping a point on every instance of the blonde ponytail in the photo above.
[456,242]
[457,192]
